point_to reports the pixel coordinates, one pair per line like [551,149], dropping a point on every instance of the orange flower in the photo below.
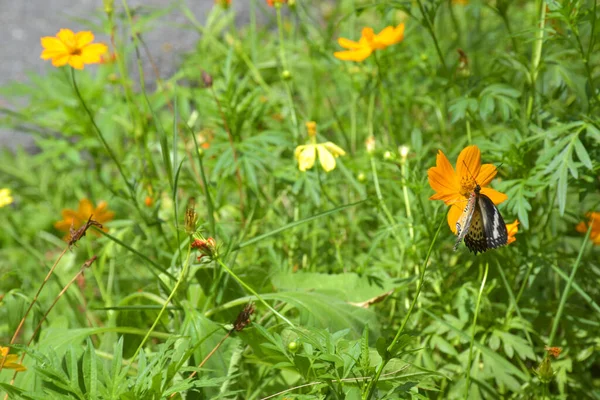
[369,42]
[9,361]
[512,229]
[594,220]
[553,351]
[76,218]
[273,3]
[455,187]
[223,3]
[75,49]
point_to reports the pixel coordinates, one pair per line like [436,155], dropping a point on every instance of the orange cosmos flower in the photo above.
[9,361]
[76,218]
[594,220]
[454,187]
[369,42]
[75,49]
[223,3]
[273,3]
[512,230]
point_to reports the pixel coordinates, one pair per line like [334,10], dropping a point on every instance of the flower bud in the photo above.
[387,155]
[311,128]
[292,347]
[403,150]
[370,144]
[361,177]
[286,75]
[545,371]
[207,79]
[206,247]
[191,218]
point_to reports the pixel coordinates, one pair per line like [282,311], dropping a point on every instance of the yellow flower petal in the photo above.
[83,38]
[334,149]
[326,158]
[67,37]
[60,60]
[76,62]
[306,158]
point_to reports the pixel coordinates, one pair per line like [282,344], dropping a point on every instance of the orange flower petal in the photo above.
[60,60]
[512,230]
[91,53]
[494,195]
[486,174]
[469,162]
[353,55]
[390,36]
[453,216]
[443,180]
[51,43]
[581,227]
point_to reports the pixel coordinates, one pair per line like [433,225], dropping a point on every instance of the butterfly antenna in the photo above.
[490,174]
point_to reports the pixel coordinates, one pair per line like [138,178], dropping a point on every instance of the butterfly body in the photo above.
[481,225]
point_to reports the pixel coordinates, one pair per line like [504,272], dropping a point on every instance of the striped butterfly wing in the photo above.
[464,221]
[487,230]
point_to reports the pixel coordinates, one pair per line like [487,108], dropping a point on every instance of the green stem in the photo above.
[164,307]
[567,288]
[429,26]
[102,139]
[473,327]
[537,55]
[388,215]
[248,288]
[373,383]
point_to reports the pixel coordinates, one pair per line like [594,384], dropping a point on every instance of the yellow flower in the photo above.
[455,187]
[75,49]
[512,230]
[327,152]
[594,220]
[76,218]
[5,197]
[369,42]
[10,360]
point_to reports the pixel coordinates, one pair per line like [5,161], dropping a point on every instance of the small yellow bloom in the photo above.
[5,197]
[75,49]
[512,230]
[327,152]
[594,220]
[455,187]
[76,218]
[10,360]
[369,42]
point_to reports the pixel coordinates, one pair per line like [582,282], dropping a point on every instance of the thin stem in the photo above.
[537,55]
[286,72]
[233,150]
[20,326]
[372,384]
[166,303]
[248,288]
[473,327]
[429,26]
[102,139]
[390,218]
[567,288]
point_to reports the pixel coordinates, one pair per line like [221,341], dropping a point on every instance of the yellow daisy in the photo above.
[75,49]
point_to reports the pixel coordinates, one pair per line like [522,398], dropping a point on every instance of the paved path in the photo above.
[24,22]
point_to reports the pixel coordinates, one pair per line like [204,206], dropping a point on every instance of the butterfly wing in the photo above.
[464,222]
[487,230]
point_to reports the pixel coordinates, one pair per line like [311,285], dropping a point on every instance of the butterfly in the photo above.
[481,224]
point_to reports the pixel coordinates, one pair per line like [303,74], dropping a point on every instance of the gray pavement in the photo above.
[24,22]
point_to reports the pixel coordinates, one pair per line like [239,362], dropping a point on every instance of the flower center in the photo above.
[75,52]
[467,185]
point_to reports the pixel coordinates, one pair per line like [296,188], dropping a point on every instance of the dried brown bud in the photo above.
[207,79]
[191,218]
[76,234]
[243,318]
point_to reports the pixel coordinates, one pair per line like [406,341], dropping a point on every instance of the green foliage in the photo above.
[356,291]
